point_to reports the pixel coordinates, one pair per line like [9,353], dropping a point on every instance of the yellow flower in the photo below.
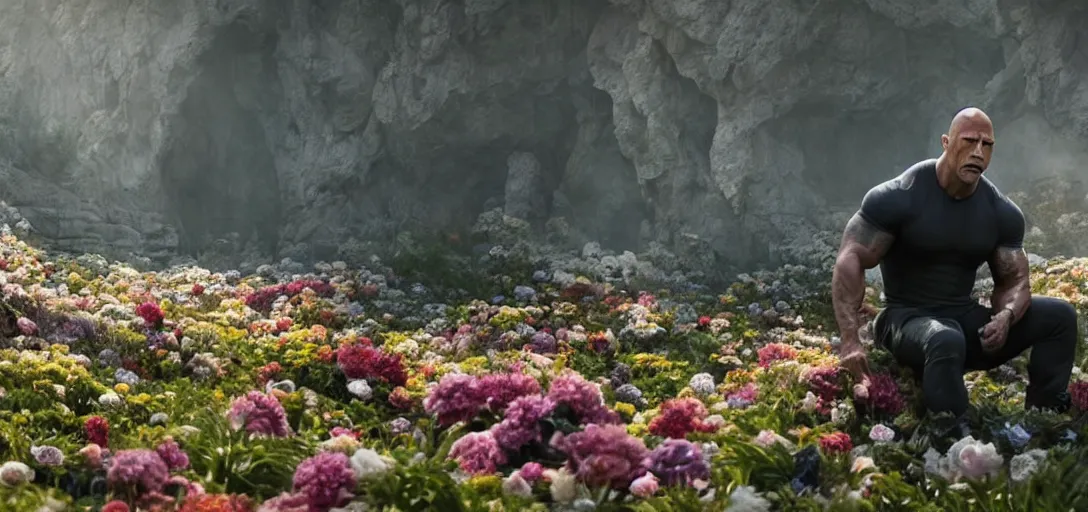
[219,396]
[624,409]
[638,429]
[486,484]
[121,388]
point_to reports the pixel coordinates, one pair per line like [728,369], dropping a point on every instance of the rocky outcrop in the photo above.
[741,129]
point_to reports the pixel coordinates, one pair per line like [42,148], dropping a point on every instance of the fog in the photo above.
[731,134]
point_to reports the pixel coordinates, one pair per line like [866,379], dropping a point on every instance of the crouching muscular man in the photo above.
[930,229]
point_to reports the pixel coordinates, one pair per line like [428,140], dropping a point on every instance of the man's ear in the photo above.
[944,141]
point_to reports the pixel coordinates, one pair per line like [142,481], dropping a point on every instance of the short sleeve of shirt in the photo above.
[886,206]
[1010,224]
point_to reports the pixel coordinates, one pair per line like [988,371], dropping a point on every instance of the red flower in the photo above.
[198,290]
[704,321]
[97,429]
[217,503]
[884,394]
[268,372]
[400,398]
[283,324]
[363,362]
[837,442]
[151,313]
[116,506]
[1079,391]
[679,417]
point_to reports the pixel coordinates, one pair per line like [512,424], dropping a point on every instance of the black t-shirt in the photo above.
[940,242]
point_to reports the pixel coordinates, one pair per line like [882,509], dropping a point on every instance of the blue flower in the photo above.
[1017,436]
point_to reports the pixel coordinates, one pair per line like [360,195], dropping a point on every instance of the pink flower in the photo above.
[478,453]
[326,480]
[116,506]
[837,442]
[143,469]
[286,502]
[644,486]
[26,326]
[766,438]
[775,352]
[521,424]
[259,414]
[453,399]
[583,398]
[679,417]
[883,395]
[881,433]
[1078,390]
[172,454]
[532,471]
[460,397]
[603,455]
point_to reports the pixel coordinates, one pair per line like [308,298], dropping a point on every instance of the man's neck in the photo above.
[952,185]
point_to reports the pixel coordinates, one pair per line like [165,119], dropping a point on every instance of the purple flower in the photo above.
[326,479]
[286,502]
[678,462]
[400,425]
[478,453]
[460,397]
[583,398]
[172,454]
[521,424]
[260,414]
[143,469]
[47,455]
[604,455]
[532,471]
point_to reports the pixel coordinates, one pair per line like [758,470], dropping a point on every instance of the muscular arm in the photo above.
[863,246]
[1012,287]
[1009,263]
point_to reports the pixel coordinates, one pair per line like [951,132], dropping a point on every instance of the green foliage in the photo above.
[236,462]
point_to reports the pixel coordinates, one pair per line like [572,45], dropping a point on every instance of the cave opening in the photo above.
[218,173]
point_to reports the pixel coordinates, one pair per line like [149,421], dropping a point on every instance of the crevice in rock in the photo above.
[218,172]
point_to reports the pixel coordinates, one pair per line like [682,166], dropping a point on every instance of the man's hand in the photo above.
[853,358]
[996,331]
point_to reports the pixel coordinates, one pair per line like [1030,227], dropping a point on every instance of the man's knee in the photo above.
[945,344]
[1056,311]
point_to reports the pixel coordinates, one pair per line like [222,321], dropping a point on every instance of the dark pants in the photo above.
[941,344]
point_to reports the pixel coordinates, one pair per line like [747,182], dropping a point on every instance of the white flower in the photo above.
[14,473]
[881,433]
[810,402]
[110,399]
[702,384]
[745,499]
[360,389]
[563,489]
[967,458]
[515,485]
[366,462]
[1022,466]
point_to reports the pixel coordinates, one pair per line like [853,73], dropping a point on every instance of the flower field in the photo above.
[347,388]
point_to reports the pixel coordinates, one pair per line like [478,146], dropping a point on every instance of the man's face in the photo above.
[969,149]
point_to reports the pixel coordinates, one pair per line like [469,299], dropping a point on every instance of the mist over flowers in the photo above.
[356,388]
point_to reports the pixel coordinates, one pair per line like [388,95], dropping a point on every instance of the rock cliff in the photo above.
[742,129]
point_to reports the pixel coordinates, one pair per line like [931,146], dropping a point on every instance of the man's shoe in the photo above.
[1059,404]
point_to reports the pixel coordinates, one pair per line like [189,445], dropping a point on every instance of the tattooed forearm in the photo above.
[863,245]
[1012,288]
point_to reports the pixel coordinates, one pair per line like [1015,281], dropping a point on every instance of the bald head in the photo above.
[971,120]
[968,146]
